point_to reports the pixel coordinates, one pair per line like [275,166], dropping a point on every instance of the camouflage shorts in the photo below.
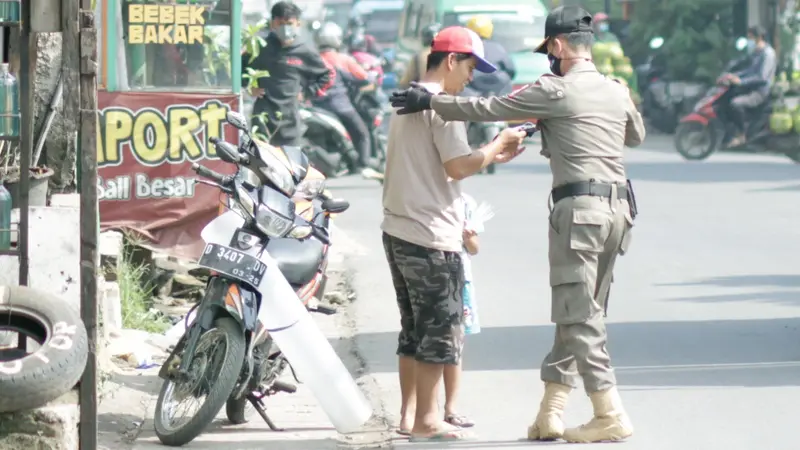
[429,285]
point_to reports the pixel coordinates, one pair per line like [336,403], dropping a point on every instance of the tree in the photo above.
[698,35]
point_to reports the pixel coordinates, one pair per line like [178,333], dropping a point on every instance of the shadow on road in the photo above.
[785,297]
[692,172]
[689,353]
[744,281]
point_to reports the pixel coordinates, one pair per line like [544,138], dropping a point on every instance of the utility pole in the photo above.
[80,98]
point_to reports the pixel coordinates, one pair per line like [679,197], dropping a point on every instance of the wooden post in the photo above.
[87,152]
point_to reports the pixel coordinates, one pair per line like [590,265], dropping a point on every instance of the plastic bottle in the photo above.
[9,103]
[5,219]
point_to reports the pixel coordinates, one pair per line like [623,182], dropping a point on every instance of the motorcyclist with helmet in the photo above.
[356,26]
[357,45]
[753,83]
[418,64]
[499,82]
[345,70]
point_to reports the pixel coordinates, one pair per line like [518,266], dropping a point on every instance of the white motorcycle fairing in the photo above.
[297,335]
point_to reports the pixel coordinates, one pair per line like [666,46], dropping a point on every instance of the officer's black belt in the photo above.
[591,188]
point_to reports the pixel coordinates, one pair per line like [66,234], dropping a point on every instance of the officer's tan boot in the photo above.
[548,425]
[610,422]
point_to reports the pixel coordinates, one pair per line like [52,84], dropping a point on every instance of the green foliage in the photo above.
[252,42]
[698,39]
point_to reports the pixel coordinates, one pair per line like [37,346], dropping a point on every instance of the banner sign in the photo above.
[165,24]
[146,144]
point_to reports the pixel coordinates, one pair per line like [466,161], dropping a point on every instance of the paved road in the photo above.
[703,316]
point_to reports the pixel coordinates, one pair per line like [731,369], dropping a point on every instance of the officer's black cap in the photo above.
[564,20]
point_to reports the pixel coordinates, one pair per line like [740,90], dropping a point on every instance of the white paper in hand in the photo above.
[482,214]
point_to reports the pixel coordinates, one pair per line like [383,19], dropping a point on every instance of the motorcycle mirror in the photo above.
[741,43]
[227,152]
[656,42]
[237,120]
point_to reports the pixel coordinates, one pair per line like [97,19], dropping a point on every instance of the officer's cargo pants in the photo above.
[586,236]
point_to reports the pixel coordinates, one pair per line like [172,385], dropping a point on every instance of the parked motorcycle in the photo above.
[664,101]
[230,311]
[709,127]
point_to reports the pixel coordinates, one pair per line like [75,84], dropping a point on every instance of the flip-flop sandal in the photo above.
[459,420]
[444,436]
[403,432]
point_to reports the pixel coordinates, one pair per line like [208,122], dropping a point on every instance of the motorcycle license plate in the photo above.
[233,263]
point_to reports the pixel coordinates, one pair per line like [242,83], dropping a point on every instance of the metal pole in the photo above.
[26,78]
[608,7]
[89,228]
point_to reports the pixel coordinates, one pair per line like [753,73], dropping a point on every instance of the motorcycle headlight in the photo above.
[271,223]
[276,170]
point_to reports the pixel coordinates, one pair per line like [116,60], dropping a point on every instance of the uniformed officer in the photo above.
[586,119]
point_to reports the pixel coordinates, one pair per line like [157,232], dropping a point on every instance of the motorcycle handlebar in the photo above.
[208,173]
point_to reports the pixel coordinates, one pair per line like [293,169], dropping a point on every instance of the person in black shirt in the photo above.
[293,66]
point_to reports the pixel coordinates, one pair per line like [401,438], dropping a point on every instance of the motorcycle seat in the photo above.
[299,261]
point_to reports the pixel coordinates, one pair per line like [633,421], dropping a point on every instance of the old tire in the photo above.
[218,393]
[695,141]
[31,380]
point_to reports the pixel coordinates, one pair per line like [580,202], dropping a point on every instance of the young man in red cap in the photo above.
[586,120]
[422,230]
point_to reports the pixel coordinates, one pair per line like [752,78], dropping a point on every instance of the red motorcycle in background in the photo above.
[709,127]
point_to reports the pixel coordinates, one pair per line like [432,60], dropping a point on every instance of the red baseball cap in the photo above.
[462,40]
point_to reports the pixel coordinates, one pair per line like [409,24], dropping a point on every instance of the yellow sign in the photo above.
[180,134]
[165,24]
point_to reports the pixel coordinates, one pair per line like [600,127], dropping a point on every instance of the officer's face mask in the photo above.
[555,65]
[287,32]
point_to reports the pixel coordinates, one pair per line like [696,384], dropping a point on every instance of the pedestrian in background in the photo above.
[586,121]
[423,225]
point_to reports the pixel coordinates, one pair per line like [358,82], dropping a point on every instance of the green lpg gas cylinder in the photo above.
[9,103]
[5,219]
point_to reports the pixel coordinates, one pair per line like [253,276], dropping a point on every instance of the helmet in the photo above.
[600,17]
[355,22]
[357,42]
[430,32]
[482,26]
[329,35]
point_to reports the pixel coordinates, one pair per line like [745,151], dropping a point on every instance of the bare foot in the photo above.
[443,432]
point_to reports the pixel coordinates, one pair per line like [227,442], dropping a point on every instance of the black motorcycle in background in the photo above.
[664,101]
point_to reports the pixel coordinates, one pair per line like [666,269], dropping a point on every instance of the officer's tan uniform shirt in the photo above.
[421,204]
[586,119]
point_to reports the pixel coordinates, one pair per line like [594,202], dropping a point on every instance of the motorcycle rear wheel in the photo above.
[219,389]
[687,136]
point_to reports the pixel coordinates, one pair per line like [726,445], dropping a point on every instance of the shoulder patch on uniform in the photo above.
[552,85]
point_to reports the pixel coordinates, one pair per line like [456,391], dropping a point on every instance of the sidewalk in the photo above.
[126,418]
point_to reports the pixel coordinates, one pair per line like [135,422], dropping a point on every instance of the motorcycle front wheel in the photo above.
[695,141]
[212,374]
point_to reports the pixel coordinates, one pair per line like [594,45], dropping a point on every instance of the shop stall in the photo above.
[170,72]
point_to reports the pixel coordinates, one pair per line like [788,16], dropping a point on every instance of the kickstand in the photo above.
[258,404]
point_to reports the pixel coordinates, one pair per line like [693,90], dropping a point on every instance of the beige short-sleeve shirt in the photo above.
[421,204]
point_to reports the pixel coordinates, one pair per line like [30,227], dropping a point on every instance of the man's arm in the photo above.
[318,75]
[541,100]
[763,70]
[458,159]
[355,68]
[634,128]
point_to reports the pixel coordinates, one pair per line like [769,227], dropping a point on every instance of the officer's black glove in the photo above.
[412,100]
